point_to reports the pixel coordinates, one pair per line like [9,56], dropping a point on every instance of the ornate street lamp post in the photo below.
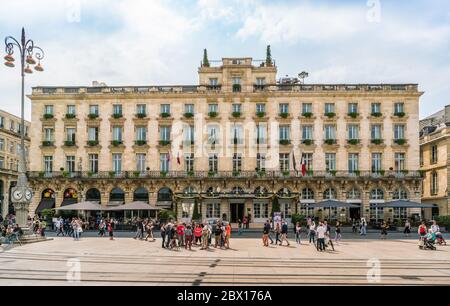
[28,52]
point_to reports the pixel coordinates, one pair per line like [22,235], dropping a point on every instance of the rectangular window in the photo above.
[261,133]
[307,158]
[71,110]
[189,162]
[70,164]
[284,162]
[93,134]
[399,131]
[164,133]
[2,144]
[376,162]
[213,135]
[213,108]
[48,134]
[284,108]
[11,125]
[237,134]
[353,131]
[353,108]
[165,108]
[93,163]
[376,108]
[260,81]
[213,210]
[330,162]
[2,162]
[2,122]
[237,162]
[70,133]
[213,82]
[93,110]
[434,183]
[375,131]
[306,108]
[189,108]
[434,154]
[141,109]
[307,132]
[213,163]
[164,161]
[117,133]
[285,132]
[399,159]
[48,164]
[117,109]
[236,108]
[399,107]
[353,162]
[261,162]
[141,133]
[48,109]
[329,108]
[261,210]
[141,162]
[189,135]
[286,207]
[260,108]
[330,132]
[117,163]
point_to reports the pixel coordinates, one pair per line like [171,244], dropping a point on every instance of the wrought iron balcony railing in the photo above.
[404,174]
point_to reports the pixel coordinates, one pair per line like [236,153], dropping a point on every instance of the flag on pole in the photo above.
[178,158]
[303,166]
[293,161]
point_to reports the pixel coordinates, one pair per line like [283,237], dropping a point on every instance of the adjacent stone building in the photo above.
[434,160]
[10,131]
[232,144]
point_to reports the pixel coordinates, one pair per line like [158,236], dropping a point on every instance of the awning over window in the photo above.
[45,204]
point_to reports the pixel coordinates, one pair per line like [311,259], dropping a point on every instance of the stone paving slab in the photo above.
[126,261]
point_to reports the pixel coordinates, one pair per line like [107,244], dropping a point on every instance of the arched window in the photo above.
[330,194]
[354,194]
[93,195]
[47,200]
[400,194]
[307,194]
[164,195]
[70,197]
[261,192]
[141,195]
[377,194]
[117,195]
[48,194]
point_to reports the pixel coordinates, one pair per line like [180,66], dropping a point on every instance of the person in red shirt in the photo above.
[227,235]
[180,230]
[198,234]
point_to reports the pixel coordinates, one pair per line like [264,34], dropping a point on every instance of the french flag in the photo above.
[303,166]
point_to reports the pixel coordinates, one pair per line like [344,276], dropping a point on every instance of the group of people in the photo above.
[279,229]
[74,227]
[144,227]
[187,235]
[431,234]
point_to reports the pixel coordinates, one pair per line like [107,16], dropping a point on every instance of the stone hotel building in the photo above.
[233,144]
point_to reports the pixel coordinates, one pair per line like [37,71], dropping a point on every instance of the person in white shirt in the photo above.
[321,231]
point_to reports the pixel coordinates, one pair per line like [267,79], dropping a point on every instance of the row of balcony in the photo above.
[282,142]
[218,88]
[263,174]
[261,115]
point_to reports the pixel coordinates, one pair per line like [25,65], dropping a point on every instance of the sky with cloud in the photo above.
[141,42]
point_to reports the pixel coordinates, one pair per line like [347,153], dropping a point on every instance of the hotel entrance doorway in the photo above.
[236,212]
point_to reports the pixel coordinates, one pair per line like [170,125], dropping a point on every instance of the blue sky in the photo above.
[139,42]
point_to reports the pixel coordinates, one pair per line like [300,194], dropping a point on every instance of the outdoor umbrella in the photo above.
[331,204]
[83,206]
[406,204]
[134,206]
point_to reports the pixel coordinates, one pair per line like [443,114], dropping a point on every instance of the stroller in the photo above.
[440,239]
[427,244]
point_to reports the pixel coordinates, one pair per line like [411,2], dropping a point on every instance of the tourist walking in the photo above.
[217,235]
[266,231]
[149,228]
[407,229]
[188,234]
[227,235]
[198,234]
[245,221]
[162,230]
[338,235]
[239,227]
[312,232]
[321,231]
[363,227]
[422,230]
[298,230]
[180,231]
[277,234]
[76,233]
[206,232]
[384,228]
[110,229]
[284,233]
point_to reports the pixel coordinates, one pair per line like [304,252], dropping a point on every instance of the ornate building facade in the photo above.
[10,131]
[434,160]
[231,144]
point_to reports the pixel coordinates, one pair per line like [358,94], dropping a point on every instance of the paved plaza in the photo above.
[126,261]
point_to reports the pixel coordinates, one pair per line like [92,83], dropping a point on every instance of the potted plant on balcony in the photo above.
[353,142]
[141,142]
[141,115]
[69,143]
[93,116]
[376,114]
[353,115]
[117,116]
[307,142]
[212,173]
[236,173]
[70,116]
[236,87]
[307,114]
[92,143]
[188,115]
[284,115]
[213,114]
[163,173]
[399,114]
[286,173]
[377,141]
[285,142]
[332,172]
[236,114]
[260,114]
[330,115]
[190,173]
[330,141]
[165,115]
[48,116]
[400,141]
[164,143]
[112,173]
[136,173]
[116,143]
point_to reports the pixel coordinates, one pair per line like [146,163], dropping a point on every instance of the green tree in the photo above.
[268,56]
[205,58]
[275,205]
[197,214]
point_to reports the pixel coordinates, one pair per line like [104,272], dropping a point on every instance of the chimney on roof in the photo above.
[447,114]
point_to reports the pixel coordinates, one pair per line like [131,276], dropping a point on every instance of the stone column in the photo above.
[4,211]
